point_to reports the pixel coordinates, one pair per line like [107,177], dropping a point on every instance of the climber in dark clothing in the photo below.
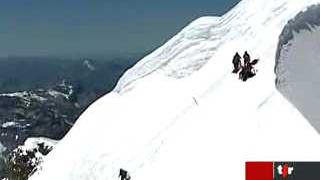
[124,175]
[236,63]
[246,72]
[246,59]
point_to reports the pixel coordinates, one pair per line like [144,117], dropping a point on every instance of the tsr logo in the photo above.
[284,170]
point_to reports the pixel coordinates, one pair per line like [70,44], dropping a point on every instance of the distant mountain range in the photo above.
[43,97]
[90,76]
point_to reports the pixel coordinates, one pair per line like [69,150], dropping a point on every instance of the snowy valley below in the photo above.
[180,112]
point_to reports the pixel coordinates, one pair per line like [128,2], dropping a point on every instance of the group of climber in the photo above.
[124,175]
[246,69]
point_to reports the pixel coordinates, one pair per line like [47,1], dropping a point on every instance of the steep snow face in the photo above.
[250,21]
[170,59]
[298,65]
[180,111]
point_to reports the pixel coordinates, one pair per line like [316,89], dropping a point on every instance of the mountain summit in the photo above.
[180,113]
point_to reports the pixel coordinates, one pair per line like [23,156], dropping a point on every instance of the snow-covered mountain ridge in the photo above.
[249,21]
[180,111]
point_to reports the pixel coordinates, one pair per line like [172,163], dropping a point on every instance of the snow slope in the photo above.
[181,114]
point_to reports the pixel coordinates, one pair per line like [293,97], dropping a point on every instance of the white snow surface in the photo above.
[57,94]
[24,95]
[181,114]
[32,143]
[9,124]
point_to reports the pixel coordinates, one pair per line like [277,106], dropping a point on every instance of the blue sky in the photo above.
[62,27]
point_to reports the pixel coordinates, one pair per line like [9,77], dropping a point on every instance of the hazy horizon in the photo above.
[83,27]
